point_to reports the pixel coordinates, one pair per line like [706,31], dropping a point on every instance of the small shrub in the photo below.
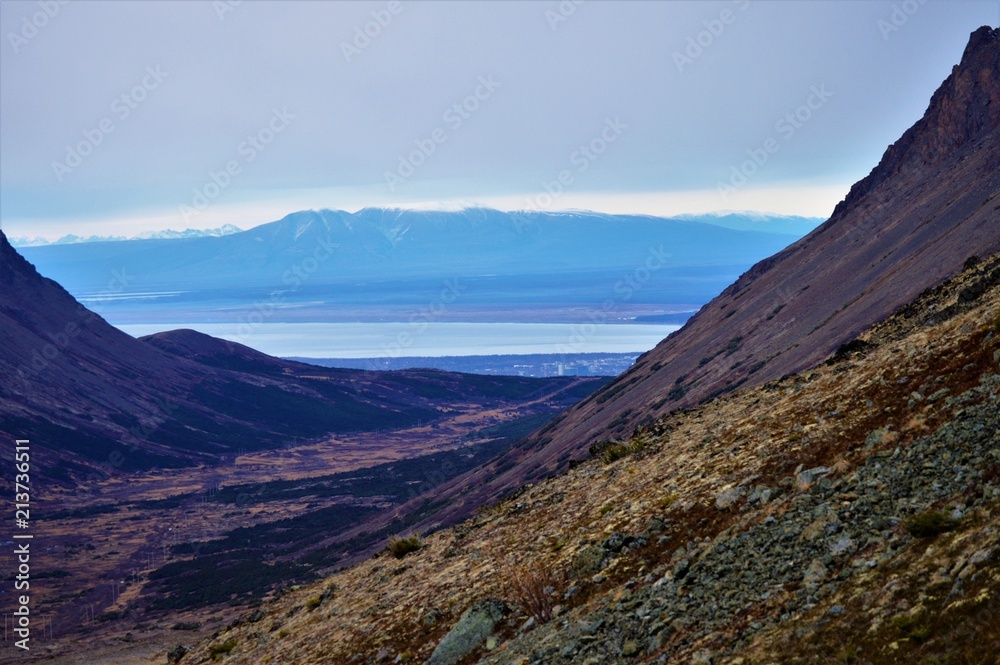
[905,623]
[313,603]
[912,628]
[605,509]
[734,345]
[667,500]
[848,655]
[400,547]
[929,524]
[617,451]
[175,655]
[676,393]
[186,625]
[533,587]
[620,420]
[597,448]
[216,651]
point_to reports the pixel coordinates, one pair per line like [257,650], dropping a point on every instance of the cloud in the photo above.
[226,72]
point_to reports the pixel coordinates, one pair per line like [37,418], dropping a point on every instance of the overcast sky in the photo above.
[118,117]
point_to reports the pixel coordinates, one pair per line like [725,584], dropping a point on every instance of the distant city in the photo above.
[537,365]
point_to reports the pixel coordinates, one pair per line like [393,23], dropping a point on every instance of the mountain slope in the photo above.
[845,514]
[930,204]
[95,399]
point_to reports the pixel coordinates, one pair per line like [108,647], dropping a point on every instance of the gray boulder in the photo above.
[472,629]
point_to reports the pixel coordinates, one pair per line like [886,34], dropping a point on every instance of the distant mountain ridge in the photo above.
[335,249]
[745,220]
[322,262]
[167,234]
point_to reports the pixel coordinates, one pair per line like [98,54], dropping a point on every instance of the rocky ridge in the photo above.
[966,106]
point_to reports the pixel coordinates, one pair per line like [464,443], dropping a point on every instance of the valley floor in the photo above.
[98,551]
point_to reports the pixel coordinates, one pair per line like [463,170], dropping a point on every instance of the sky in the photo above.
[121,117]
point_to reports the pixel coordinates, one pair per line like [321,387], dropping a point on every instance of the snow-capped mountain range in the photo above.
[168,234]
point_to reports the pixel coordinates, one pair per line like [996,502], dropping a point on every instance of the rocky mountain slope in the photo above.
[97,401]
[933,199]
[846,514]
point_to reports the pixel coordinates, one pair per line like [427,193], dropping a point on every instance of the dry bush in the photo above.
[400,547]
[534,587]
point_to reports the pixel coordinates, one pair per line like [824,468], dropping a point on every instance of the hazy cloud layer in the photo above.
[259,105]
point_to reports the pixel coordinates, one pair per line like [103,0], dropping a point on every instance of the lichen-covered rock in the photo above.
[728,497]
[473,628]
[588,561]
